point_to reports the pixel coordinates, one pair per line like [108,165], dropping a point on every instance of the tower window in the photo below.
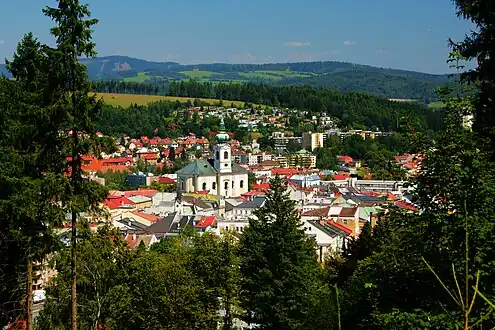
[214,185]
[204,185]
[217,155]
[226,185]
[241,184]
[226,155]
[232,184]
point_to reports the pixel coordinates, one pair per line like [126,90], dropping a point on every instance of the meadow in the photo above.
[125,100]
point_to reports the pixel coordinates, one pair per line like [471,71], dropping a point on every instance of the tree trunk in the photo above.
[73,298]
[29,294]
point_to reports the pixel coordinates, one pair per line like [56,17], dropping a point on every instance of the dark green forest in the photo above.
[353,109]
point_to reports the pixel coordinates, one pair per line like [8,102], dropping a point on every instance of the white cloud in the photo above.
[2,42]
[382,50]
[349,42]
[297,43]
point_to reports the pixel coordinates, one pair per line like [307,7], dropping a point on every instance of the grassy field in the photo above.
[436,105]
[287,74]
[196,74]
[125,100]
[141,77]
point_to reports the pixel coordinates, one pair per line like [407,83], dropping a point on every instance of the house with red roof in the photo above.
[205,223]
[344,160]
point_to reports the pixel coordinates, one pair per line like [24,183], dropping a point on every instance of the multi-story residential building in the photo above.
[255,159]
[312,140]
[302,158]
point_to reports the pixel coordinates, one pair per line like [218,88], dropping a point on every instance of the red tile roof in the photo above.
[340,177]
[206,222]
[166,180]
[141,192]
[348,212]
[261,186]
[339,226]
[115,202]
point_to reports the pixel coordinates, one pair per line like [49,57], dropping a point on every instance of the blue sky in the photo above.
[405,34]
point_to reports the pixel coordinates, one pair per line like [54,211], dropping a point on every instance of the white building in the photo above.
[218,176]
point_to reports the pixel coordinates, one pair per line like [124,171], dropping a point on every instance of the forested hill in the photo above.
[346,77]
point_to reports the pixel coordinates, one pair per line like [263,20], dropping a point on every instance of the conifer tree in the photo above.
[31,175]
[73,32]
[282,281]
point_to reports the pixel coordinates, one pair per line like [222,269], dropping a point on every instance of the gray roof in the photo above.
[199,167]
[252,204]
[164,225]
[205,167]
[139,199]
[238,169]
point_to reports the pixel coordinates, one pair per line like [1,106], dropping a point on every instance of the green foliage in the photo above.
[282,285]
[479,45]
[456,196]
[172,286]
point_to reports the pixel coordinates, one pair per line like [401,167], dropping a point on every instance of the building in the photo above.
[219,176]
[302,158]
[312,141]
[140,179]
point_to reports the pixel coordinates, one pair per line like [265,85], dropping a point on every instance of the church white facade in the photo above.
[219,176]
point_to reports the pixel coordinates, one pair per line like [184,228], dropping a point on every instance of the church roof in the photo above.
[238,169]
[198,166]
[205,167]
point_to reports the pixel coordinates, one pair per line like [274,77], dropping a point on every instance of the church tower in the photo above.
[223,160]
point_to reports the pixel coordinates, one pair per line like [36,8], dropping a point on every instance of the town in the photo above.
[262,182]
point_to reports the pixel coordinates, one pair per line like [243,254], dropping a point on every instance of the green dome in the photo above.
[222,137]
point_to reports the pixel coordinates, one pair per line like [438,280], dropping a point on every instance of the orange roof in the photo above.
[140,192]
[115,202]
[150,217]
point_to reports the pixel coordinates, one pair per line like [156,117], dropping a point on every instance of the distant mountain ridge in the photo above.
[343,76]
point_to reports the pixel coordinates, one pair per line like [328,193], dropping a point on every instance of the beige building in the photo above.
[302,158]
[312,140]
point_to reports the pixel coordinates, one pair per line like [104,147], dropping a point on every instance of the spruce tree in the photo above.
[282,281]
[31,176]
[73,32]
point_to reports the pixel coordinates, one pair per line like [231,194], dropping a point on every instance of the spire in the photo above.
[222,137]
[222,125]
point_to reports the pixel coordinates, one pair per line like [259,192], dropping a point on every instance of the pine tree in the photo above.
[282,281]
[73,32]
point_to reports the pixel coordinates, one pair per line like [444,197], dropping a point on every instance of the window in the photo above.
[226,227]
[232,184]
[241,184]
[226,155]
[226,185]
[344,221]
[214,185]
[204,185]
[236,228]
[217,155]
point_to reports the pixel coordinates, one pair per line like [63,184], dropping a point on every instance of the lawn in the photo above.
[141,77]
[125,100]
[196,74]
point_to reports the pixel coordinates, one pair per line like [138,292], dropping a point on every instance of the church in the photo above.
[219,176]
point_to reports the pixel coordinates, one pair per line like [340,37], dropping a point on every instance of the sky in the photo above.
[402,34]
